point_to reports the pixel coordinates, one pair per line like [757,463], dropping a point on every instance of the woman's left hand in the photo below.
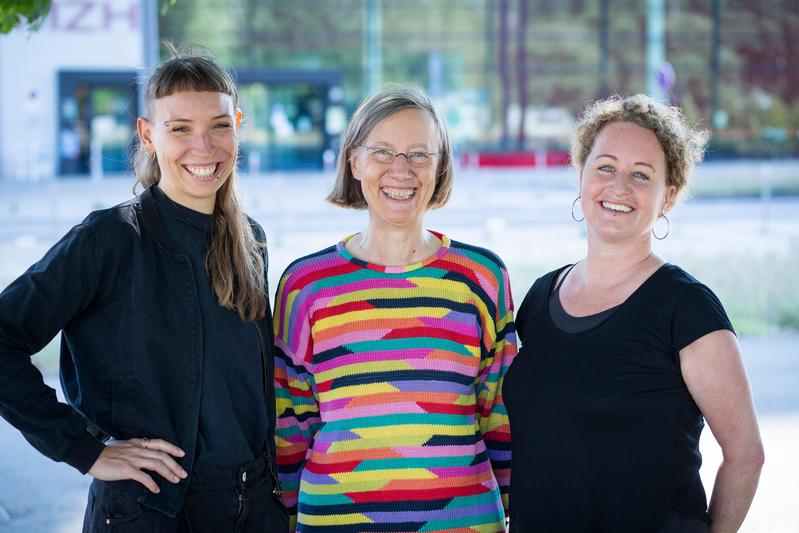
[127,459]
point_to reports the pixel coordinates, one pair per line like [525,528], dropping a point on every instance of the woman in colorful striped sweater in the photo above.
[392,346]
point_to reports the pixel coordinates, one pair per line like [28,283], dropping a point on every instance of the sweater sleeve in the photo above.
[298,416]
[491,413]
[33,308]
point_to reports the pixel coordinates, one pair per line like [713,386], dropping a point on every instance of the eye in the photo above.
[607,168]
[179,129]
[641,176]
[418,157]
[223,125]
[383,152]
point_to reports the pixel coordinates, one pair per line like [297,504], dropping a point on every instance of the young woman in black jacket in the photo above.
[166,346]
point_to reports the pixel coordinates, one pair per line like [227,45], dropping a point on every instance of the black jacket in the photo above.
[131,349]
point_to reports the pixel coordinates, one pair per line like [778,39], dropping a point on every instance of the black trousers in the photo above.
[218,500]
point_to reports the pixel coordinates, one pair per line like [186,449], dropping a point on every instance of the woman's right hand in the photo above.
[126,459]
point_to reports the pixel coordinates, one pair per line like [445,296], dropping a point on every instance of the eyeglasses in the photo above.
[386,156]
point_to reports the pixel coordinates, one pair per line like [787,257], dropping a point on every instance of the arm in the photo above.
[44,300]
[298,416]
[491,414]
[715,376]
[33,309]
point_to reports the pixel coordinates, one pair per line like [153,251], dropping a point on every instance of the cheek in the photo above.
[227,142]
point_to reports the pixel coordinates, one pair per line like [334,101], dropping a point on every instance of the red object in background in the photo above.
[514,159]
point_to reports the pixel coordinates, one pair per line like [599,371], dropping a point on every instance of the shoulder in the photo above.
[540,288]
[313,266]
[257,229]
[108,225]
[477,254]
[673,280]
[543,284]
[694,310]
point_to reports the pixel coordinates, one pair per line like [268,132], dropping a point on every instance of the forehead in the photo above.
[406,126]
[629,140]
[193,105]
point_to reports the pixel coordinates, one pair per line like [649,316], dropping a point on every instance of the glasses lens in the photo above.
[382,155]
[419,159]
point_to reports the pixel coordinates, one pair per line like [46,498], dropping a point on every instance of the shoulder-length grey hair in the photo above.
[347,190]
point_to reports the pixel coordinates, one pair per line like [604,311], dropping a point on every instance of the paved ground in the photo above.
[522,215]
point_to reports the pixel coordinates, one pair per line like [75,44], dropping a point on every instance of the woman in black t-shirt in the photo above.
[624,355]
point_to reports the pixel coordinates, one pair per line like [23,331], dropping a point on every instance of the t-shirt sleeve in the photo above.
[698,312]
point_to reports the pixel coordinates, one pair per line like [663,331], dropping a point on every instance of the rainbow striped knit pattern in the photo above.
[388,380]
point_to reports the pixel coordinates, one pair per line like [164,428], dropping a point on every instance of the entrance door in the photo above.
[97,117]
[285,119]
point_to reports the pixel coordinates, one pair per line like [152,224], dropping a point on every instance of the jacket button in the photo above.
[244,477]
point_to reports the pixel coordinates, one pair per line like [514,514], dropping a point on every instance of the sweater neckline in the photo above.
[341,247]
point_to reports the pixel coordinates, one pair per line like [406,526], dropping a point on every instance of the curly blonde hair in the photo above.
[683,145]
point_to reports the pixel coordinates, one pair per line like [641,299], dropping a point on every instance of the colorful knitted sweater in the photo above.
[388,382]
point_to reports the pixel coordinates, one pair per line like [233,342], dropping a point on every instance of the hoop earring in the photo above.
[668,227]
[574,203]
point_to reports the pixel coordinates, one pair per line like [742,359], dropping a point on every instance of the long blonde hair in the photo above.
[234,261]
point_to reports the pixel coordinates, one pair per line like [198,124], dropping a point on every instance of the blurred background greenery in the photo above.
[732,64]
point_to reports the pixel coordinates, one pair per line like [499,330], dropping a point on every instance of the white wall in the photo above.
[78,35]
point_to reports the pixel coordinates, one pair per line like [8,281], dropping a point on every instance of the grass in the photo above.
[760,294]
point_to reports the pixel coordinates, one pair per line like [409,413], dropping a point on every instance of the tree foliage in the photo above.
[16,12]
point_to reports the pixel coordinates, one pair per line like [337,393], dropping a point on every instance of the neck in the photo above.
[203,205]
[609,263]
[392,246]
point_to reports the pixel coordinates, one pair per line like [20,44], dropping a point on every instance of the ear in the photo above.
[238,117]
[145,134]
[668,199]
[580,190]
[354,165]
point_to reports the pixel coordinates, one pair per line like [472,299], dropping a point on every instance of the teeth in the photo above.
[398,194]
[617,207]
[202,172]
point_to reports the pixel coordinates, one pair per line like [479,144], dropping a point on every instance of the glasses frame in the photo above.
[396,154]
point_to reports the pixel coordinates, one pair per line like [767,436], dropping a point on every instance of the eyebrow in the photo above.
[420,144]
[223,115]
[613,157]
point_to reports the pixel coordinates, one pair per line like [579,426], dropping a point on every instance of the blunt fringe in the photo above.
[347,190]
[683,145]
[234,262]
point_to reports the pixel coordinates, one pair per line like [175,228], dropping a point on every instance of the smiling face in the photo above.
[623,183]
[194,136]
[397,193]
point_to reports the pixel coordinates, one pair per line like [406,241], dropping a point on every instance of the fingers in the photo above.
[161,463]
[160,445]
[127,460]
[144,479]
[159,453]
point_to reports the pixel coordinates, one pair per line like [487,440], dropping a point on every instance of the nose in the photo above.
[400,166]
[623,184]
[203,144]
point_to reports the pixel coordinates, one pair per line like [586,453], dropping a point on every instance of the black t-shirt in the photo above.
[605,435]
[233,419]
